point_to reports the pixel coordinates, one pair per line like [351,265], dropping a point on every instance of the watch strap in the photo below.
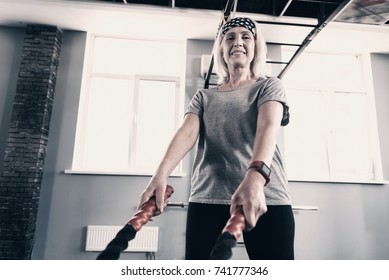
[260,167]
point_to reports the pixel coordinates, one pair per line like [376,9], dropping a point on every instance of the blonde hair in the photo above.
[257,66]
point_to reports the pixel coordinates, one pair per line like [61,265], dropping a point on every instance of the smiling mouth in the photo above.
[238,52]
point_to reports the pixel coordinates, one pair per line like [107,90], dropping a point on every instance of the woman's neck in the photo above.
[238,79]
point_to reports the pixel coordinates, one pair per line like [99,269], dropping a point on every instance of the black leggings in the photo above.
[271,239]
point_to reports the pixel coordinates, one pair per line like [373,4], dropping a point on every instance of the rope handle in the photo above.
[236,224]
[147,210]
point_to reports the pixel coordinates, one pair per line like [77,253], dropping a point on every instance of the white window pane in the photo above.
[130,57]
[305,145]
[156,122]
[325,71]
[107,129]
[349,138]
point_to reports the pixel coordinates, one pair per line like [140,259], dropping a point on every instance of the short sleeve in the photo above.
[196,105]
[275,91]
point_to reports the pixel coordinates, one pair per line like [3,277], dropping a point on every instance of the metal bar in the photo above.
[305,208]
[277,62]
[208,77]
[274,8]
[235,8]
[285,8]
[322,11]
[295,208]
[285,23]
[177,204]
[282,44]
[313,34]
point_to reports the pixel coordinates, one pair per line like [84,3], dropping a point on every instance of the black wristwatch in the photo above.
[262,168]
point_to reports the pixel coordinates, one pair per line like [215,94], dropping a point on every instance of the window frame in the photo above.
[88,75]
[368,90]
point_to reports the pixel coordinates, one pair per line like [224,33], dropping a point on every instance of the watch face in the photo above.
[265,169]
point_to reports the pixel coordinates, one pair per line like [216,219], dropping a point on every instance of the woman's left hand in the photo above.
[250,194]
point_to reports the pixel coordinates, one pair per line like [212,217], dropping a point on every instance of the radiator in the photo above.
[97,238]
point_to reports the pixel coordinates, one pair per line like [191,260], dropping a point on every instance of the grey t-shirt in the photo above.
[228,121]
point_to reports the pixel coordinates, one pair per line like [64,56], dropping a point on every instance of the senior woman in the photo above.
[238,162]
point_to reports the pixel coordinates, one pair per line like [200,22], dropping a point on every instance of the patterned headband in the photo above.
[238,22]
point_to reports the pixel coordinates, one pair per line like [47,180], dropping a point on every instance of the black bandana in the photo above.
[238,22]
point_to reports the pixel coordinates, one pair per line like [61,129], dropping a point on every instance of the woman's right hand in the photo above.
[156,187]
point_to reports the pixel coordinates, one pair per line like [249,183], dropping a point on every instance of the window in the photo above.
[131,105]
[332,135]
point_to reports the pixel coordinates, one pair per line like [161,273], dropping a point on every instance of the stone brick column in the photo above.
[25,150]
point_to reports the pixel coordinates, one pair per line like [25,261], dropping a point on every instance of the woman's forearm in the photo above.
[179,146]
[182,142]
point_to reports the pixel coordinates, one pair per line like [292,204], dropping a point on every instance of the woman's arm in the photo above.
[250,192]
[182,142]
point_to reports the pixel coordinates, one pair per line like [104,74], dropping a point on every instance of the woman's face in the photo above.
[238,47]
